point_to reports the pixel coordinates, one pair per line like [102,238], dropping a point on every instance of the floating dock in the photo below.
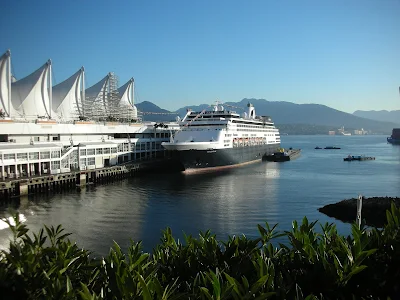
[283,155]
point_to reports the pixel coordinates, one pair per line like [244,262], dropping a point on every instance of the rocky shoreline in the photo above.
[373,210]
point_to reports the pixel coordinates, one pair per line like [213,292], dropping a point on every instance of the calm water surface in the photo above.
[228,202]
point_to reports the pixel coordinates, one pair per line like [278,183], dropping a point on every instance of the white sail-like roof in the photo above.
[5,85]
[31,96]
[126,102]
[67,97]
[96,97]
[126,92]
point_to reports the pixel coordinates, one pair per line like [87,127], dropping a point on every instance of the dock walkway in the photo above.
[15,187]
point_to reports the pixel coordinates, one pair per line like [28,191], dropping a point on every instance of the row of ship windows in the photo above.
[254,135]
[244,144]
[252,126]
[263,130]
[201,129]
[257,129]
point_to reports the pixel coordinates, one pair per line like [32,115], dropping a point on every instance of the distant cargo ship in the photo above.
[395,137]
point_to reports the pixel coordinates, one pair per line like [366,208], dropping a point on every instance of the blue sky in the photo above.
[344,54]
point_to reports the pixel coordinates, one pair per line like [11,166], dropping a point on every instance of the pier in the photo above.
[17,187]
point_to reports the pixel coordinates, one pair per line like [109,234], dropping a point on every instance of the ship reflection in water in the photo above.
[226,202]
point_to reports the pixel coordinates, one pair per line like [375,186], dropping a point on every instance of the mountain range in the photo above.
[285,114]
[379,115]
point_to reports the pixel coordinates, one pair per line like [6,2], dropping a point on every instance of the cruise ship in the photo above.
[219,138]
[50,129]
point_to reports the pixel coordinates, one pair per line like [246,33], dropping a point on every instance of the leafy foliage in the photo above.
[314,264]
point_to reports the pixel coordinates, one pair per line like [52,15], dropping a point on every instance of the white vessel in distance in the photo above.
[219,138]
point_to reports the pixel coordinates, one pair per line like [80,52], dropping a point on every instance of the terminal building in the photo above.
[46,129]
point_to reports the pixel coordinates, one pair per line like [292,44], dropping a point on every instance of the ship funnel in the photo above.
[252,111]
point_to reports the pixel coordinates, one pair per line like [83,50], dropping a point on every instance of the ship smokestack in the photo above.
[252,111]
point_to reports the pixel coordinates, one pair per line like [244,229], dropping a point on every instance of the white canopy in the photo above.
[31,96]
[67,97]
[126,93]
[34,97]
[96,97]
[5,85]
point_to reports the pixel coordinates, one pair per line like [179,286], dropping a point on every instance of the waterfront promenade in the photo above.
[15,187]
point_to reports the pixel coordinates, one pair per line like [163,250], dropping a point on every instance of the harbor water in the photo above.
[229,202]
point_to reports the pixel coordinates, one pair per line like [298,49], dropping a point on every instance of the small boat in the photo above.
[317,147]
[395,137]
[358,157]
[283,155]
[331,147]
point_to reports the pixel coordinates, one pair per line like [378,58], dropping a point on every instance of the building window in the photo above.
[36,139]
[22,156]
[99,151]
[106,150]
[91,161]
[113,150]
[55,165]
[55,154]
[34,155]
[90,151]
[82,152]
[82,162]
[64,163]
[45,155]
[9,156]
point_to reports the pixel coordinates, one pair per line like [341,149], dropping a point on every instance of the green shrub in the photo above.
[312,265]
